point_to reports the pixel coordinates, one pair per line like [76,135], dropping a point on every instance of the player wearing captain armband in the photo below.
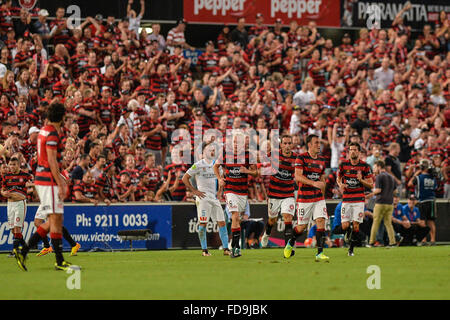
[208,206]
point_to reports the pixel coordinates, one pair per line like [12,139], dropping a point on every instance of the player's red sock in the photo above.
[42,232]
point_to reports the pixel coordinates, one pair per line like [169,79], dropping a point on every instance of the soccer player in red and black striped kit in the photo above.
[51,187]
[309,173]
[236,167]
[281,191]
[14,188]
[353,176]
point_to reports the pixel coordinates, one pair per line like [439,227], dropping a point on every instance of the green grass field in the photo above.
[406,273]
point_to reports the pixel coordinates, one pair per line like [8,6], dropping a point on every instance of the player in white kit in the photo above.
[208,206]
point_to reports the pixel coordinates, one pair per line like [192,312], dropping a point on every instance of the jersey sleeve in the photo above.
[77,187]
[100,182]
[339,172]
[52,140]
[193,170]
[368,172]
[299,163]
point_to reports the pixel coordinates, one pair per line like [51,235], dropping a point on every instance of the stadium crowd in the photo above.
[126,92]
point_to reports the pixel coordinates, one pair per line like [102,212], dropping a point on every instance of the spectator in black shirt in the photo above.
[406,143]
[81,168]
[392,161]
[361,121]
[240,34]
[23,25]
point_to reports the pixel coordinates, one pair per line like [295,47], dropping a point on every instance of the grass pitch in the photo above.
[406,273]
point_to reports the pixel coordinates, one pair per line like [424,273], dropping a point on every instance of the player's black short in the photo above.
[427,210]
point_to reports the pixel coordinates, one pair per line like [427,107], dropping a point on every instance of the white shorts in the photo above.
[50,202]
[282,206]
[352,211]
[307,211]
[17,211]
[209,208]
[235,202]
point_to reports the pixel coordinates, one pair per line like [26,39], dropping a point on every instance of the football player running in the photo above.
[281,191]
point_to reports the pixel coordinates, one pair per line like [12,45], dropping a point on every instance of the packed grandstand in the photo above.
[126,92]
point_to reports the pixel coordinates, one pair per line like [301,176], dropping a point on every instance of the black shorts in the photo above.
[427,210]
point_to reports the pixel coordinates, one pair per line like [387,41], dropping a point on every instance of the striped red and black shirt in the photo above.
[48,138]
[16,182]
[121,189]
[179,192]
[159,84]
[313,169]
[77,62]
[107,183]
[208,61]
[154,177]
[354,192]
[282,184]
[153,142]
[87,190]
[64,35]
[317,76]
[236,182]
[146,91]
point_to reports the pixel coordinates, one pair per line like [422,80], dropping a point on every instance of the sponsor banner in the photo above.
[185,228]
[193,55]
[173,226]
[366,14]
[97,226]
[185,225]
[323,12]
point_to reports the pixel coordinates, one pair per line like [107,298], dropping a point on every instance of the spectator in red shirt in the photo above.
[85,191]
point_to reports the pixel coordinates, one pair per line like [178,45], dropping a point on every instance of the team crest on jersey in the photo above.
[17,219]
[291,207]
[27,4]
[235,171]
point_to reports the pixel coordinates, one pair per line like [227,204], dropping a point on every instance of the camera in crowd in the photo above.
[426,167]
